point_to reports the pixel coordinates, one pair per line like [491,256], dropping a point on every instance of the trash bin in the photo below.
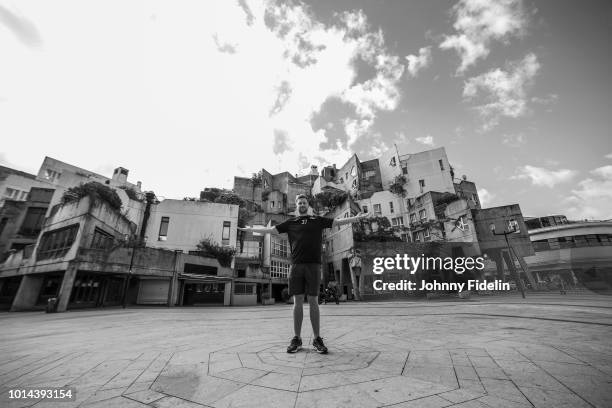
[51,305]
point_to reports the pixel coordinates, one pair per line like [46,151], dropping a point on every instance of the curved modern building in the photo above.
[579,253]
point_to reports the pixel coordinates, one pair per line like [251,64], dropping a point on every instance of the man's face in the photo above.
[302,206]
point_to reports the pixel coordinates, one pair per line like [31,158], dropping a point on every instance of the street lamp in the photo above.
[505,234]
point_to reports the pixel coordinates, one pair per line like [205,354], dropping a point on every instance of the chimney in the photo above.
[120,175]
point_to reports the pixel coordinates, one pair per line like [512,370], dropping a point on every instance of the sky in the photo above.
[189,94]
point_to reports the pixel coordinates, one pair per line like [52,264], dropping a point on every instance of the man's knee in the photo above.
[298,300]
[313,300]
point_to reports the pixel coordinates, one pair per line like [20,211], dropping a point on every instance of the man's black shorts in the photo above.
[305,278]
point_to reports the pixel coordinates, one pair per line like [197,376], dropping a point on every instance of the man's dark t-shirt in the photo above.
[305,237]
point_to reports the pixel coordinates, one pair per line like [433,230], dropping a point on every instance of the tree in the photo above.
[230,198]
[397,187]
[210,194]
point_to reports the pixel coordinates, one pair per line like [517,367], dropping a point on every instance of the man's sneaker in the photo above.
[295,346]
[319,346]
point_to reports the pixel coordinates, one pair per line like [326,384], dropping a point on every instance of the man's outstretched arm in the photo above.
[350,220]
[261,230]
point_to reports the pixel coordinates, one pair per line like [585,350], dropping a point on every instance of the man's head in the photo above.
[301,203]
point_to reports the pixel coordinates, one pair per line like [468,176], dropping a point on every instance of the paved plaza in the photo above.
[546,351]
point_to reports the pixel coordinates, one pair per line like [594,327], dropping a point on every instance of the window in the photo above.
[513,225]
[346,176]
[377,209]
[353,171]
[163,228]
[397,221]
[56,243]
[33,222]
[354,184]
[462,223]
[418,237]
[243,288]
[363,208]
[423,214]
[101,239]
[404,170]
[391,207]
[51,175]
[421,185]
[370,173]
[475,199]
[15,194]
[279,247]
[413,218]
[441,164]
[271,204]
[225,234]
[393,163]
[426,233]
[279,269]
[341,180]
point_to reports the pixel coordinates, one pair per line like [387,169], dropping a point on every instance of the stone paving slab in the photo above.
[544,351]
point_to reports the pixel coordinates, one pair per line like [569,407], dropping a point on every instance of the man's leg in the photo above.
[298,313]
[313,301]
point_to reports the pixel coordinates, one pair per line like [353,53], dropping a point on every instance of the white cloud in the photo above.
[419,62]
[504,92]
[23,29]
[514,140]
[480,22]
[591,200]
[206,75]
[486,197]
[546,100]
[603,172]
[427,140]
[540,176]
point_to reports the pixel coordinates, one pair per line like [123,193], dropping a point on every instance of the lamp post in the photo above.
[505,234]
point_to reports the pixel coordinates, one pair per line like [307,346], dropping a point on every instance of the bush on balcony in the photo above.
[384,233]
[96,191]
[329,199]
[210,249]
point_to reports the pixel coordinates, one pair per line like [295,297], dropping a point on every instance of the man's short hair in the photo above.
[297,197]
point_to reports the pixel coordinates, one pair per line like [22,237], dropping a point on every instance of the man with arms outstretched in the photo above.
[305,238]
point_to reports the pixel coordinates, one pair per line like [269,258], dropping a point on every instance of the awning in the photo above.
[204,278]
